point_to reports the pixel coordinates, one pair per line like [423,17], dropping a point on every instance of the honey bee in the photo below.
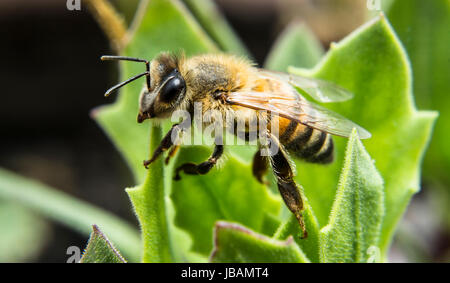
[230,84]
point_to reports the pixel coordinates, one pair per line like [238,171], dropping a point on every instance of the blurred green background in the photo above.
[52,78]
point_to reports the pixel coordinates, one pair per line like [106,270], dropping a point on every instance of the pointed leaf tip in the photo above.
[357,213]
[100,249]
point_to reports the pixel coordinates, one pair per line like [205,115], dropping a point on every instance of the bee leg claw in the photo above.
[177,177]
[202,168]
[304,236]
[146,163]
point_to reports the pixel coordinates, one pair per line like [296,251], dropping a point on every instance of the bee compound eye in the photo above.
[172,89]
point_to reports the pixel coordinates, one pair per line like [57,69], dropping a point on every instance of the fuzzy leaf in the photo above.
[290,228]
[100,249]
[357,213]
[234,243]
[424,28]
[372,64]
[231,193]
[149,205]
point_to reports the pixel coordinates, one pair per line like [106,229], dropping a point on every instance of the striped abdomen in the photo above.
[306,143]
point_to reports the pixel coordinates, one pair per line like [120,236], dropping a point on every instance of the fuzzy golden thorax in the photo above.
[177,82]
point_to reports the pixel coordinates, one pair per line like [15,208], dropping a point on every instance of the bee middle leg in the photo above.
[260,166]
[286,184]
[202,168]
[166,143]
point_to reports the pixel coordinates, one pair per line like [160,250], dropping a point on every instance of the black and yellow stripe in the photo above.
[307,143]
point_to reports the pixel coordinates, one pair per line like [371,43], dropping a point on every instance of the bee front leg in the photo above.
[166,143]
[286,184]
[202,168]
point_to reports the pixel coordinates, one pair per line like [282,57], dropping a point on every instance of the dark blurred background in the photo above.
[51,78]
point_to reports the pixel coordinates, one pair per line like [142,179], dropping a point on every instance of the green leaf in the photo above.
[216,26]
[149,205]
[357,213]
[423,27]
[229,193]
[69,211]
[296,46]
[372,64]
[234,243]
[100,249]
[310,245]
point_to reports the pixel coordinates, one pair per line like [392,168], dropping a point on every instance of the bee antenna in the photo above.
[109,91]
[123,58]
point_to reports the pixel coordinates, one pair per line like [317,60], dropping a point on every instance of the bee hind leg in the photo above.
[287,187]
[260,167]
[202,168]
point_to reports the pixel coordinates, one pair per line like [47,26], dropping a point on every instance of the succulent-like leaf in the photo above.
[355,221]
[423,28]
[372,64]
[100,250]
[234,243]
[290,228]
[230,193]
[149,205]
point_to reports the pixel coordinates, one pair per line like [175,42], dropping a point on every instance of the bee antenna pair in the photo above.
[122,58]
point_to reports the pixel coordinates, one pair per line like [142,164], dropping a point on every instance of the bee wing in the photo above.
[321,91]
[298,109]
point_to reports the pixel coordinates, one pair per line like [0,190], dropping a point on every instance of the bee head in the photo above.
[165,86]
[167,91]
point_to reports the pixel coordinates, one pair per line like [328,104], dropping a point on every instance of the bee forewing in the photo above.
[300,110]
[321,91]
